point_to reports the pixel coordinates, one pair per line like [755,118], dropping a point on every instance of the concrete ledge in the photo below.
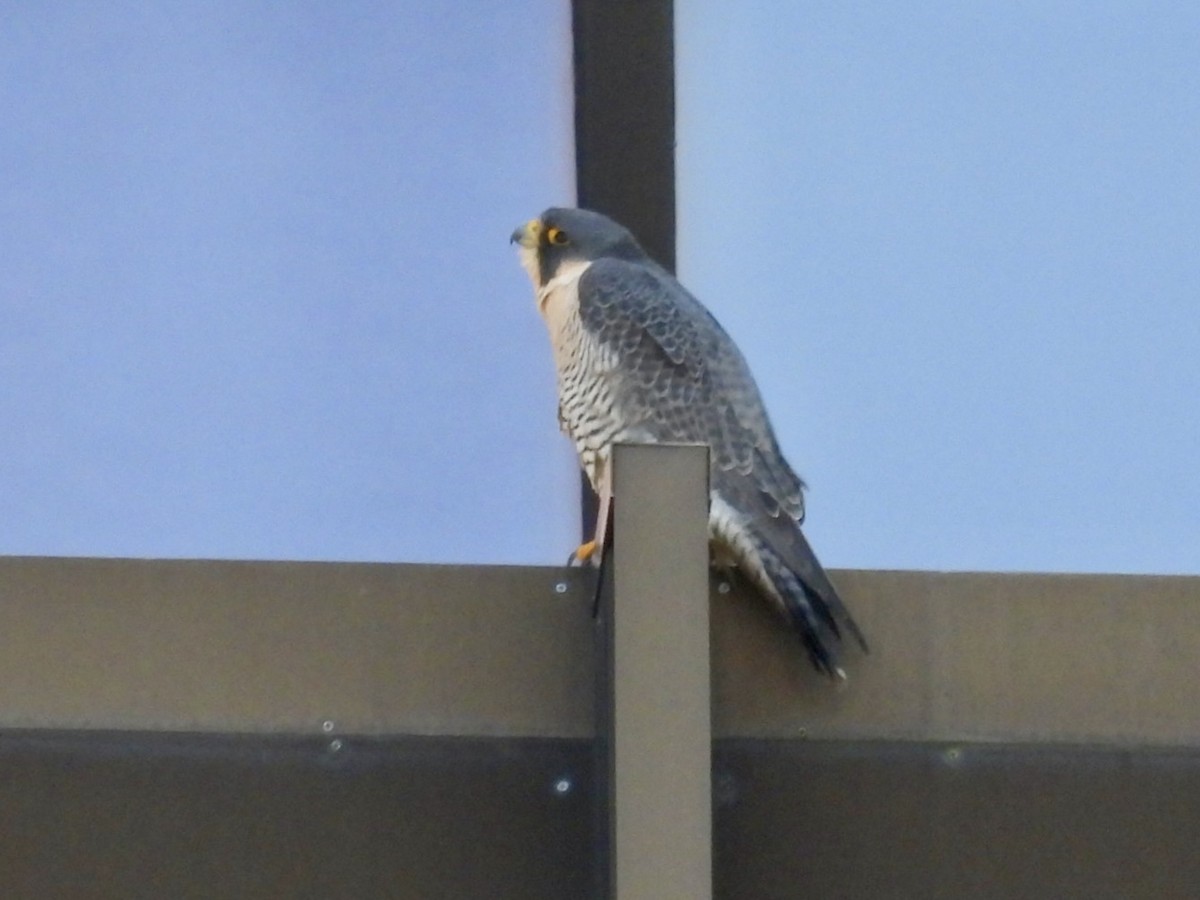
[442,650]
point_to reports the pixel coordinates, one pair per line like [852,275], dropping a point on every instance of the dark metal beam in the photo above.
[624,53]
[625,116]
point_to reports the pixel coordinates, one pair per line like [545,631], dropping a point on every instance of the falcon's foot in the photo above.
[583,554]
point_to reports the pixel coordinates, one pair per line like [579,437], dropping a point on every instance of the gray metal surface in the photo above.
[199,645]
[200,816]
[658,716]
[155,816]
[904,820]
[1098,659]
[269,647]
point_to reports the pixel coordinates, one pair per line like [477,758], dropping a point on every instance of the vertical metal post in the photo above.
[655,618]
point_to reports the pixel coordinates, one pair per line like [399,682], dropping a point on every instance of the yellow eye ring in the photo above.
[556,236]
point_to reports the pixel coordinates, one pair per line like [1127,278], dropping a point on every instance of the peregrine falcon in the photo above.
[640,360]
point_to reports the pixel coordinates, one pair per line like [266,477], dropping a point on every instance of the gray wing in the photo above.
[681,378]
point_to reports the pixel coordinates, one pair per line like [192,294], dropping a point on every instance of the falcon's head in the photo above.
[561,236]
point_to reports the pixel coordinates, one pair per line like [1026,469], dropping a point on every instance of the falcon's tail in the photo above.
[810,602]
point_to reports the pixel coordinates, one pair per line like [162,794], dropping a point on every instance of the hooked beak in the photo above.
[527,235]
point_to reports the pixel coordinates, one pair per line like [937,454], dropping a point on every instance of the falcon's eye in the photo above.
[557,236]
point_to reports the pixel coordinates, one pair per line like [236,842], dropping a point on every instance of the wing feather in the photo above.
[681,376]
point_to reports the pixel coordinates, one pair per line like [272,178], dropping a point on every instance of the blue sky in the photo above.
[258,298]
[258,301]
[958,243]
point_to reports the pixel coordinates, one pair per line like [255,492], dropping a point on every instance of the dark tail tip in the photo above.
[819,622]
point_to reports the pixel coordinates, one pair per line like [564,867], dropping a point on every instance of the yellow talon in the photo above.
[584,552]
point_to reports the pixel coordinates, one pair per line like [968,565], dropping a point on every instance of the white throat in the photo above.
[529,262]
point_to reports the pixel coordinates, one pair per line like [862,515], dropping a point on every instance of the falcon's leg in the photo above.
[603,518]
[600,542]
[593,551]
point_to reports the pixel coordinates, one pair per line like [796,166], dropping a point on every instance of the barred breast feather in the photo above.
[588,371]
